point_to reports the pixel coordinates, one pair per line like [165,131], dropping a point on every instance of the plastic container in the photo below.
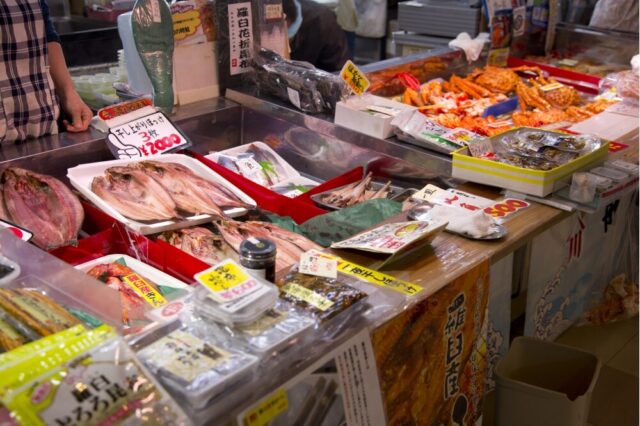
[583,187]
[258,257]
[544,383]
[254,305]
[138,79]
[613,174]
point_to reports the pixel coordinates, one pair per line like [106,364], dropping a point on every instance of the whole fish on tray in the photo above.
[41,204]
[201,243]
[355,193]
[289,244]
[134,194]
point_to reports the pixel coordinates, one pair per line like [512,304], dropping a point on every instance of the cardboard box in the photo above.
[353,114]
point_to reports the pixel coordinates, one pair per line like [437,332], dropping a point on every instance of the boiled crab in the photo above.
[500,80]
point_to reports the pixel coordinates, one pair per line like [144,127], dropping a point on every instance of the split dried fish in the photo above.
[182,185]
[289,245]
[201,243]
[43,205]
[355,193]
[134,194]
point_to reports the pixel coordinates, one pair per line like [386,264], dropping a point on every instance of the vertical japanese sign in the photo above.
[240,37]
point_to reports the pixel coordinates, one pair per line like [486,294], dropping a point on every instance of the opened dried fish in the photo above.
[43,205]
[200,243]
[355,193]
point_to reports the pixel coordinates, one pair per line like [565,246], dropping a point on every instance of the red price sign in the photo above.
[506,207]
[21,233]
[151,135]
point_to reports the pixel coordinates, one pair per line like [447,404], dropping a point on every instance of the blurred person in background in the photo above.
[34,75]
[621,15]
[314,35]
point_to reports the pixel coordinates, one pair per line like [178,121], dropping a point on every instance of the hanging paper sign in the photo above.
[354,78]
[150,135]
[240,37]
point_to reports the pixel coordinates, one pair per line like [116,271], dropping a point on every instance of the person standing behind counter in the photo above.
[34,75]
[314,35]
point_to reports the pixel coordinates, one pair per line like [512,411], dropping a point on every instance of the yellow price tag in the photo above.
[375,277]
[309,296]
[498,57]
[185,24]
[222,277]
[145,290]
[267,409]
[551,86]
[354,78]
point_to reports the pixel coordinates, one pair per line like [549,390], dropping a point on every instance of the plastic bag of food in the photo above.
[195,360]
[623,84]
[306,87]
[82,377]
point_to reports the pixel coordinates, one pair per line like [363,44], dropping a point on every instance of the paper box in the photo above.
[354,114]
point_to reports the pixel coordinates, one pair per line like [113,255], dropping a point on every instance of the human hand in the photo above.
[75,108]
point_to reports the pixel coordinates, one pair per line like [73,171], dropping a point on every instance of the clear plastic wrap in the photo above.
[85,377]
[275,330]
[306,87]
[624,84]
[197,362]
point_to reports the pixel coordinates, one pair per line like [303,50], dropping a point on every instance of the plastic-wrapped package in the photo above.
[153,35]
[625,85]
[306,87]
[197,362]
[83,377]
[273,331]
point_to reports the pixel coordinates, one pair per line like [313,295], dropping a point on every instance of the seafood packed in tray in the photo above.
[27,315]
[160,193]
[354,193]
[539,149]
[212,247]
[462,102]
[323,297]
[141,287]
[42,205]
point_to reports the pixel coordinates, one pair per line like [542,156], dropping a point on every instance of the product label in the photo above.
[237,304]
[354,78]
[184,355]
[551,86]
[264,323]
[313,264]
[309,296]
[19,232]
[481,147]
[144,290]
[240,37]
[123,108]
[252,170]
[374,277]
[185,24]
[151,135]
[498,57]
[267,409]
[227,281]
[460,136]
[273,12]
[519,20]
[389,238]
[506,207]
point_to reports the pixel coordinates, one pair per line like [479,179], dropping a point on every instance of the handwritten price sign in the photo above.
[506,207]
[150,135]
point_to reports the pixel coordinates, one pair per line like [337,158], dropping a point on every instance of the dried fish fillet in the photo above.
[43,205]
[134,194]
[201,243]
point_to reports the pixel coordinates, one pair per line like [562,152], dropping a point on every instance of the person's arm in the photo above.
[75,108]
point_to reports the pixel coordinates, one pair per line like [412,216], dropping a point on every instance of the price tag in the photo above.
[354,78]
[227,281]
[150,135]
[19,232]
[568,62]
[117,110]
[551,86]
[498,57]
[267,409]
[273,12]
[506,207]
[312,264]
[144,290]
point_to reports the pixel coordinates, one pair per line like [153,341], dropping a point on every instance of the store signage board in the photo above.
[153,134]
[346,375]
[240,37]
[355,79]
[19,232]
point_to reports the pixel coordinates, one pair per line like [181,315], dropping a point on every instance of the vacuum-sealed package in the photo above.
[322,297]
[83,377]
[232,296]
[196,361]
[306,87]
[274,330]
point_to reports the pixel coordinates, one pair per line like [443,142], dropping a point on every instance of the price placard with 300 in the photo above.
[146,136]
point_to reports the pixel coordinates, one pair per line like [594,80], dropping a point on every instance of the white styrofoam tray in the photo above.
[82,176]
[292,175]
